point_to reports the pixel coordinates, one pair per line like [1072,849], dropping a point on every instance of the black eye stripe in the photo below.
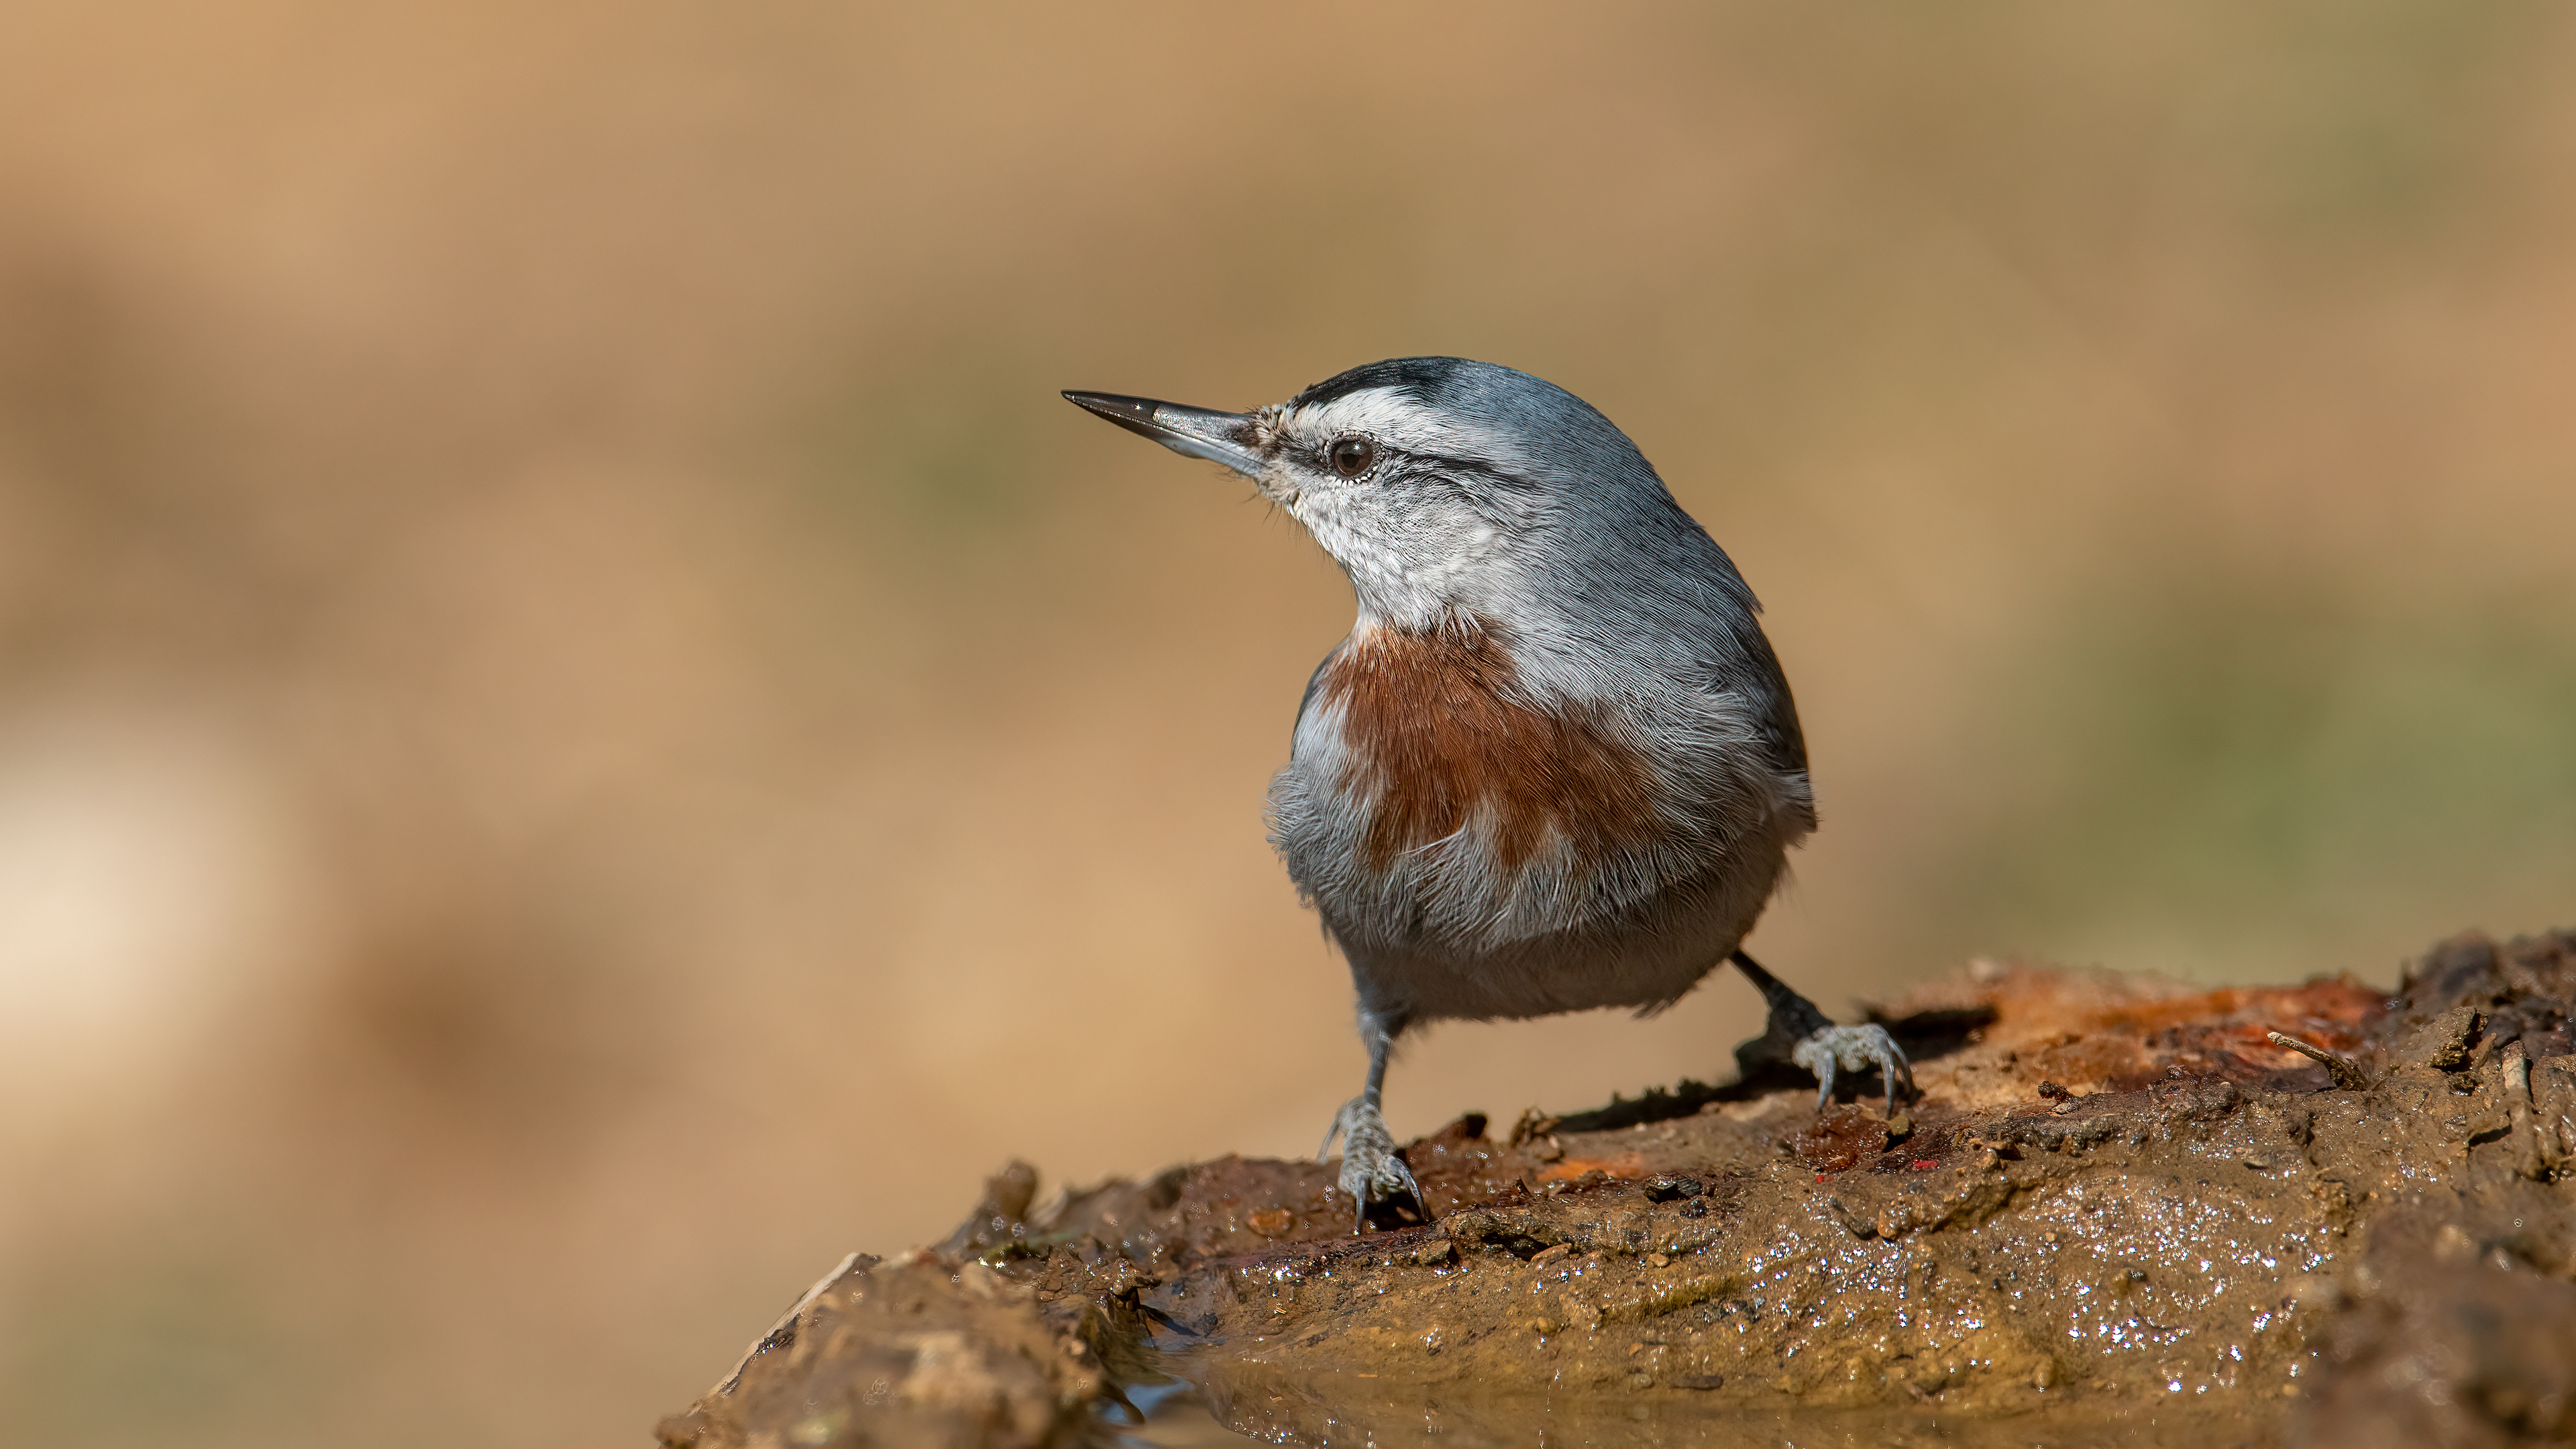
[1452,469]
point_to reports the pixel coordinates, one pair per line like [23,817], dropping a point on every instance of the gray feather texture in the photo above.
[1555,766]
[1504,500]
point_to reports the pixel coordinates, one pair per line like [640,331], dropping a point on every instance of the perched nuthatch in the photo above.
[1555,765]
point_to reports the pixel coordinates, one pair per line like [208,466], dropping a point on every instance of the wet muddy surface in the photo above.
[2120,1211]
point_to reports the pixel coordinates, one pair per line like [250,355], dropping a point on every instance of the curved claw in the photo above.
[1371,1171]
[1854,1048]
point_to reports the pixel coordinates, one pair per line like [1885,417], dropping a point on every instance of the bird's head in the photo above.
[1442,487]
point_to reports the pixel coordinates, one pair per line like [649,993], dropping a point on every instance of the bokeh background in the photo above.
[581,732]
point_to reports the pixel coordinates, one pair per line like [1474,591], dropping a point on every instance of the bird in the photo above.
[1555,765]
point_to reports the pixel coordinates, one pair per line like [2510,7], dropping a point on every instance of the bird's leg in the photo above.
[1371,1172]
[1815,1043]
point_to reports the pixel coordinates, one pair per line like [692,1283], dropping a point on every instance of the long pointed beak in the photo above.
[1218,437]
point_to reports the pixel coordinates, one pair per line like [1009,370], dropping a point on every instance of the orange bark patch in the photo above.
[2092,1032]
[1625,1165]
[2329,1011]
[1437,726]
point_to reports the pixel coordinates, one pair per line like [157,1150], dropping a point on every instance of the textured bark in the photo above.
[2119,1210]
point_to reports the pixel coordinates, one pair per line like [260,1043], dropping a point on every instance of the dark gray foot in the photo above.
[1812,1041]
[1371,1172]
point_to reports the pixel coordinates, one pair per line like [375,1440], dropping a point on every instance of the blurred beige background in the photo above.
[581,732]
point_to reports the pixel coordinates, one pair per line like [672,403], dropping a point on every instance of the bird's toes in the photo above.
[1854,1049]
[1371,1170]
[1380,1180]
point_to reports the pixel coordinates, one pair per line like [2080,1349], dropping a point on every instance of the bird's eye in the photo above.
[1352,456]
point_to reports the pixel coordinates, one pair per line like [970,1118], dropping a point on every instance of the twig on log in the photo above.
[2347,1073]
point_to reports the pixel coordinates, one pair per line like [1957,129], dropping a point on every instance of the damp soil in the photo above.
[2120,1211]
